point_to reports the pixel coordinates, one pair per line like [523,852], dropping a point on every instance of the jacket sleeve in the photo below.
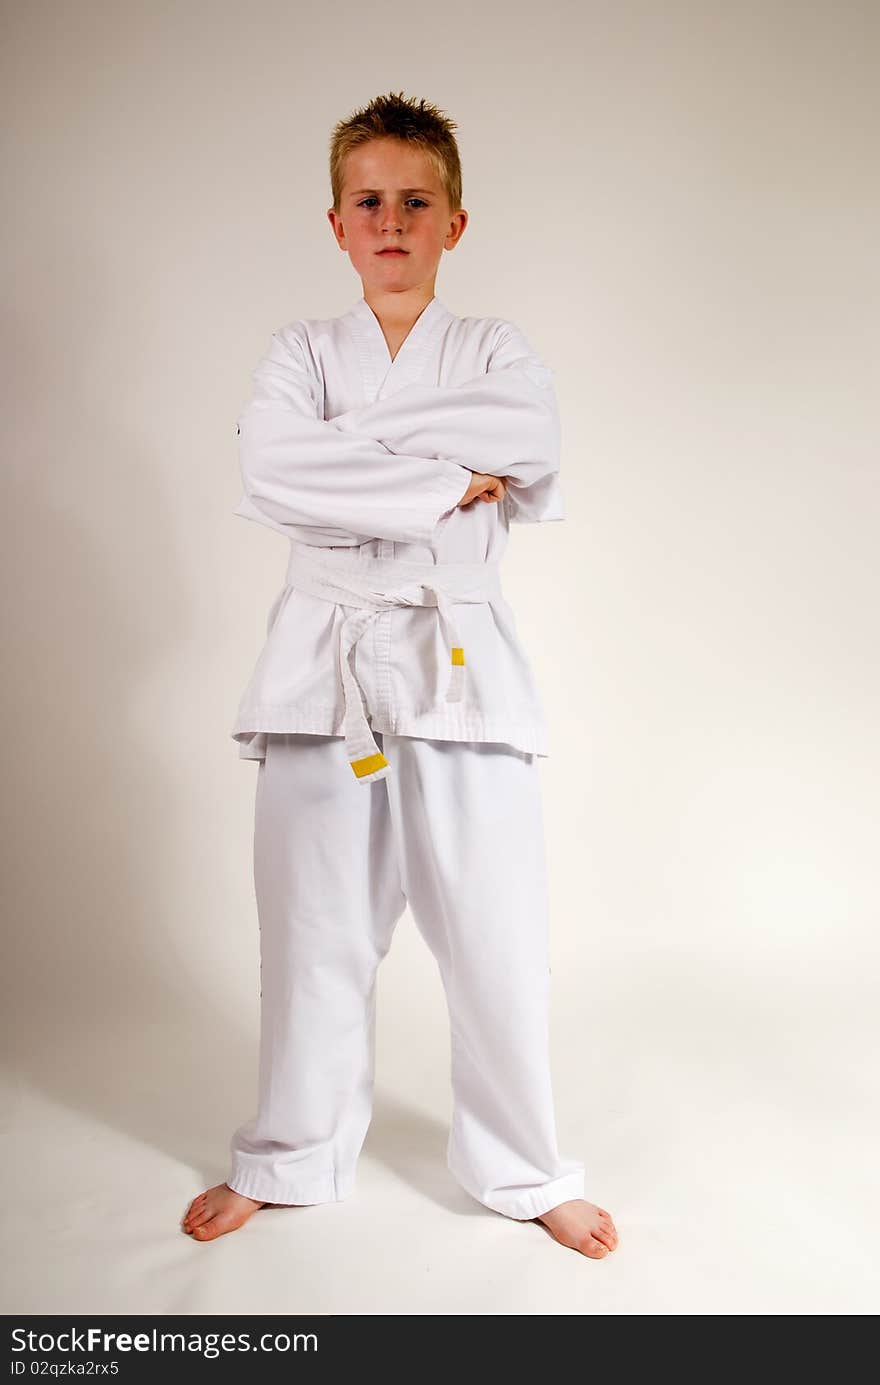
[504,422]
[308,479]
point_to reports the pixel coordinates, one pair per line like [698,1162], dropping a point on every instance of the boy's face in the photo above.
[392,197]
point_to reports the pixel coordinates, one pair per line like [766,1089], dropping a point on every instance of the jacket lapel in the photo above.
[382,376]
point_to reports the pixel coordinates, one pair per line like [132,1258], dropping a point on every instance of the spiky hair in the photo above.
[412,120]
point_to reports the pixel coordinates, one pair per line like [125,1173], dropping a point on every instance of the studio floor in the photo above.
[733,1149]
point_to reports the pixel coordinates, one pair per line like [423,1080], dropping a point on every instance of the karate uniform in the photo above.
[397,726]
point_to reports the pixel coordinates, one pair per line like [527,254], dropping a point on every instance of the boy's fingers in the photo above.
[491,493]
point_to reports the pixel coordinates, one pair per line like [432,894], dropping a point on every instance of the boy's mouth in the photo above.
[392,251]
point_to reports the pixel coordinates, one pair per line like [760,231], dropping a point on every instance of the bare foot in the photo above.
[582,1226]
[216,1211]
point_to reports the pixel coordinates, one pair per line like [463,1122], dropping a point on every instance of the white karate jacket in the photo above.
[341,447]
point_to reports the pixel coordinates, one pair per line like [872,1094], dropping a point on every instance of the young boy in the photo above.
[393,446]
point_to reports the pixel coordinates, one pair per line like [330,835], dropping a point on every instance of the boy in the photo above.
[393,446]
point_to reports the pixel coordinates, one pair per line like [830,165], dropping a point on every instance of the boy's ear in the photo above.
[458,222]
[337,227]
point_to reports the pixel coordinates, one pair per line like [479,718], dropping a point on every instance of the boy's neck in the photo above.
[396,312]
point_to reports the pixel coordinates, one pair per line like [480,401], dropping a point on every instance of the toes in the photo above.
[195,1206]
[197,1215]
[606,1237]
[207,1231]
[593,1248]
[199,1218]
[217,1224]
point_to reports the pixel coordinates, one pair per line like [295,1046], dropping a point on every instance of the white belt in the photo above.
[375,585]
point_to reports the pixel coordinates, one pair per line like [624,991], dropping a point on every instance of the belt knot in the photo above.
[374,585]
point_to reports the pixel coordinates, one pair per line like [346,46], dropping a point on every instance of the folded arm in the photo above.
[309,479]
[504,422]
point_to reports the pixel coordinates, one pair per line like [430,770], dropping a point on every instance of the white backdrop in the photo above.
[678,204]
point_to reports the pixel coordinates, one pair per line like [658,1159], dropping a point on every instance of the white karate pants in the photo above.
[456,831]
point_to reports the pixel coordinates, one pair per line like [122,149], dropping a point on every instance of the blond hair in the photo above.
[413,121]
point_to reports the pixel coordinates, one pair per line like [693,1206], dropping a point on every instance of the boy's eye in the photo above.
[367,201]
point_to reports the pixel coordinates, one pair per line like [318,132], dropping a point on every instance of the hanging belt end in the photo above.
[370,767]
[455,687]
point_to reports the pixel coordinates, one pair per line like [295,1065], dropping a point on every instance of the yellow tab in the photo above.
[368,764]
[457,655]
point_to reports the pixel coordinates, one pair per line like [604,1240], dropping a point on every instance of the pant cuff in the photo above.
[524,1204]
[263,1186]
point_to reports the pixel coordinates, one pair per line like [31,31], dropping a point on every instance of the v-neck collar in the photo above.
[379,371]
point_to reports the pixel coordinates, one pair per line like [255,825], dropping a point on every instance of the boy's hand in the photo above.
[488,488]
